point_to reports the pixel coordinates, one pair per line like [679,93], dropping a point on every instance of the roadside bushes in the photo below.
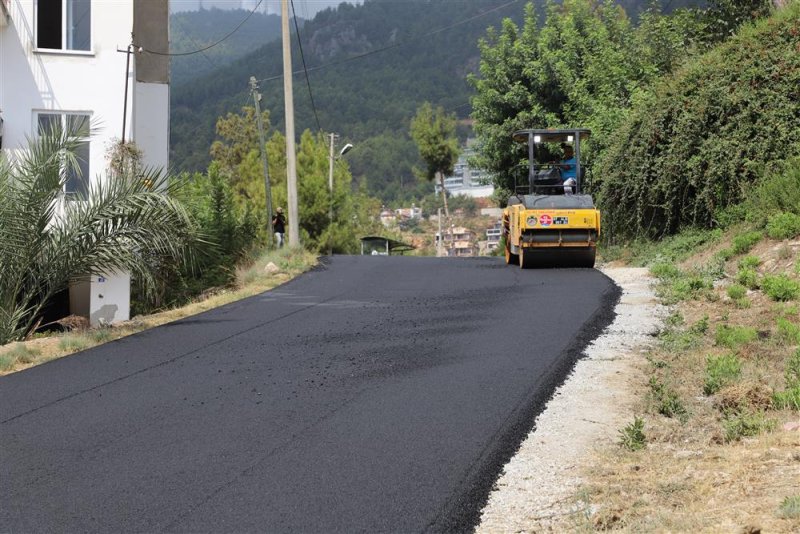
[783,226]
[700,139]
[230,234]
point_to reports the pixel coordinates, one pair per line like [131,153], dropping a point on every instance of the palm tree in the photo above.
[47,241]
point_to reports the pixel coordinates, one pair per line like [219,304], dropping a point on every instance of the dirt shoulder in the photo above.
[711,380]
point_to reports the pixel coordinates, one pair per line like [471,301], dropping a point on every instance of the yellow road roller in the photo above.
[549,221]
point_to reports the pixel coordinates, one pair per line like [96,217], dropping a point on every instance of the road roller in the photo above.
[550,221]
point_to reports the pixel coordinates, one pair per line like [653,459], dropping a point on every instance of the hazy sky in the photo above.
[305,8]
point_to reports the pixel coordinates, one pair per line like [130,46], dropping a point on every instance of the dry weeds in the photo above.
[699,475]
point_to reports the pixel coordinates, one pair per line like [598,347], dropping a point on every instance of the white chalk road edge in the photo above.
[539,484]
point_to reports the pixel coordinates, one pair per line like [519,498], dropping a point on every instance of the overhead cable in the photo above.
[172,54]
[305,69]
[398,44]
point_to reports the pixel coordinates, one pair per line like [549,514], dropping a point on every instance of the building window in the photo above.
[77,182]
[64,24]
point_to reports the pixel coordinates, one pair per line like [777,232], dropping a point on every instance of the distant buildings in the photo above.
[467,180]
[458,242]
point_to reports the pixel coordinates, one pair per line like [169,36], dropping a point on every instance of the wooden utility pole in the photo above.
[288,98]
[263,147]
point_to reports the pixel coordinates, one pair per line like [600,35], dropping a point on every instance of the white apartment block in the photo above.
[67,60]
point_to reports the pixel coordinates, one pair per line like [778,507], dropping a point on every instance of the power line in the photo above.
[398,44]
[211,45]
[305,69]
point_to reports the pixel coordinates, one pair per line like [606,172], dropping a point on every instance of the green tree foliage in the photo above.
[724,17]
[582,67]
[47,241]
[699,141]
[434,132]
[231,232]
[236,157]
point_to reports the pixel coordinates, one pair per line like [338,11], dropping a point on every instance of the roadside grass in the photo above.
[718,388]
[252,279]
[790,507]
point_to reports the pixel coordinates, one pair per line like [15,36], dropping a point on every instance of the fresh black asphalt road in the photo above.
[371,394]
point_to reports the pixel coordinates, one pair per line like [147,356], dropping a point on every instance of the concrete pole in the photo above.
[288,97]
[330,179]
[267,188]
[440,244]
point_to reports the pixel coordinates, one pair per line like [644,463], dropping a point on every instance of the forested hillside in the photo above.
[194,30]
[370,67]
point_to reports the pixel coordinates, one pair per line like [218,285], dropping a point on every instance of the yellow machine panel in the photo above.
[551,221]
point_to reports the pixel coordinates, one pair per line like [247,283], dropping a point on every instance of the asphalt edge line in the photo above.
[463,513]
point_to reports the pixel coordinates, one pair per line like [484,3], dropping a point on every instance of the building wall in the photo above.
[91,82]
[32,80]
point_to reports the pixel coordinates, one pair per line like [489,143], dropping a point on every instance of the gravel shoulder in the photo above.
[539,487]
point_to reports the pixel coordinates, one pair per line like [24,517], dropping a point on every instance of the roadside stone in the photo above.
[791,426]
[271,268]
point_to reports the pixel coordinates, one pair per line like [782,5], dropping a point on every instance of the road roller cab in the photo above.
[550,221]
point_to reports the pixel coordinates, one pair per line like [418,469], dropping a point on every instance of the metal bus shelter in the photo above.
[383,246]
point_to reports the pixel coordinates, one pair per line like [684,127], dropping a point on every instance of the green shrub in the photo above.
[20,354]
[749,262]
[783,226]
[662,171]
[790,507]
[632,437]
[734,336]
[668,402]
[725,254]
[778,192]
[744,242]
[700,327]
[737,291]
[780,287]
[101,335]
[748,278]
[738,426]
[788,399]
[665,271]
[73,343]
[675,319]
[7,362]
[788,331]
[721,371]
[689,287]
[792,371]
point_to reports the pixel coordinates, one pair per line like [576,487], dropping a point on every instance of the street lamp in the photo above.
[345,149]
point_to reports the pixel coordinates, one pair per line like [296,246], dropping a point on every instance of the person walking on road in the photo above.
[279,226]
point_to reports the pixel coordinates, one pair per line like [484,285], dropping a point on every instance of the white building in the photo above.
[66,60]
[467,180]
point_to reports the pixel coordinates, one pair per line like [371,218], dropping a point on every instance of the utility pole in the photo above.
[330,181]
[288,98]
[264,161]
[128,52]
[440,244]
